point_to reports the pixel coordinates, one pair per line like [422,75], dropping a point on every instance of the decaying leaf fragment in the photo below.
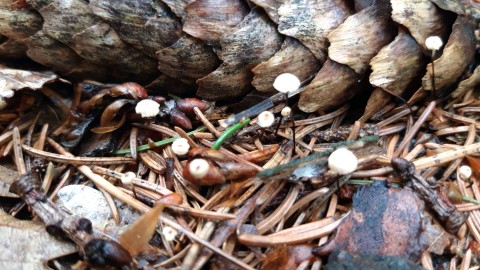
[27,245]
[457,55]
[311,22]
[287,257]
[390,224]
[271,7]
[7,177]
[16,79]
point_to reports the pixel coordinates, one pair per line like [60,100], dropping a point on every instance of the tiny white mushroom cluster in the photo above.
[342,161]
[147,108]
[180,146]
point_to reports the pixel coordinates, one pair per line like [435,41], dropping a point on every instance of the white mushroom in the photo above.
[465,172]
[286,111]
[265,119]
[342,161]
[198,168]
[147,108]
[286,82]
[180,146]
[433,43]
[127,178]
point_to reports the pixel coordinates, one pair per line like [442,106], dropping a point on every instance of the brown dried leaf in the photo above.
[148,27]
[457,55]
[137,236]
[27,245]
[16,79]
[389,225]
[208,20]
[422,18]
[254,40]
[357,40]
[293,58]
[311,22]
[187,59]
[468,84]
[331,87]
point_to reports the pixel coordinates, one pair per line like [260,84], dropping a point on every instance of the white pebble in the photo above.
[342,161]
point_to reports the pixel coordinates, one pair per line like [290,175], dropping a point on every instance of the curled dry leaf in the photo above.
[468,84]
[457,55]
[332,86]
[208,20]
[188,59]
[356,41]
[292,58]
[27,245]
[422,18]
[137,236]
[16,79]
[311,22]
[391,224]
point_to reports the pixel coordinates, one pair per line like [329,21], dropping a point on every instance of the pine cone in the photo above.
[226,49]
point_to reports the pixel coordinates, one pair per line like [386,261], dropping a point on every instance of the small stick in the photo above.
[17,150]
[205,121]
[184,135]
[77,160]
